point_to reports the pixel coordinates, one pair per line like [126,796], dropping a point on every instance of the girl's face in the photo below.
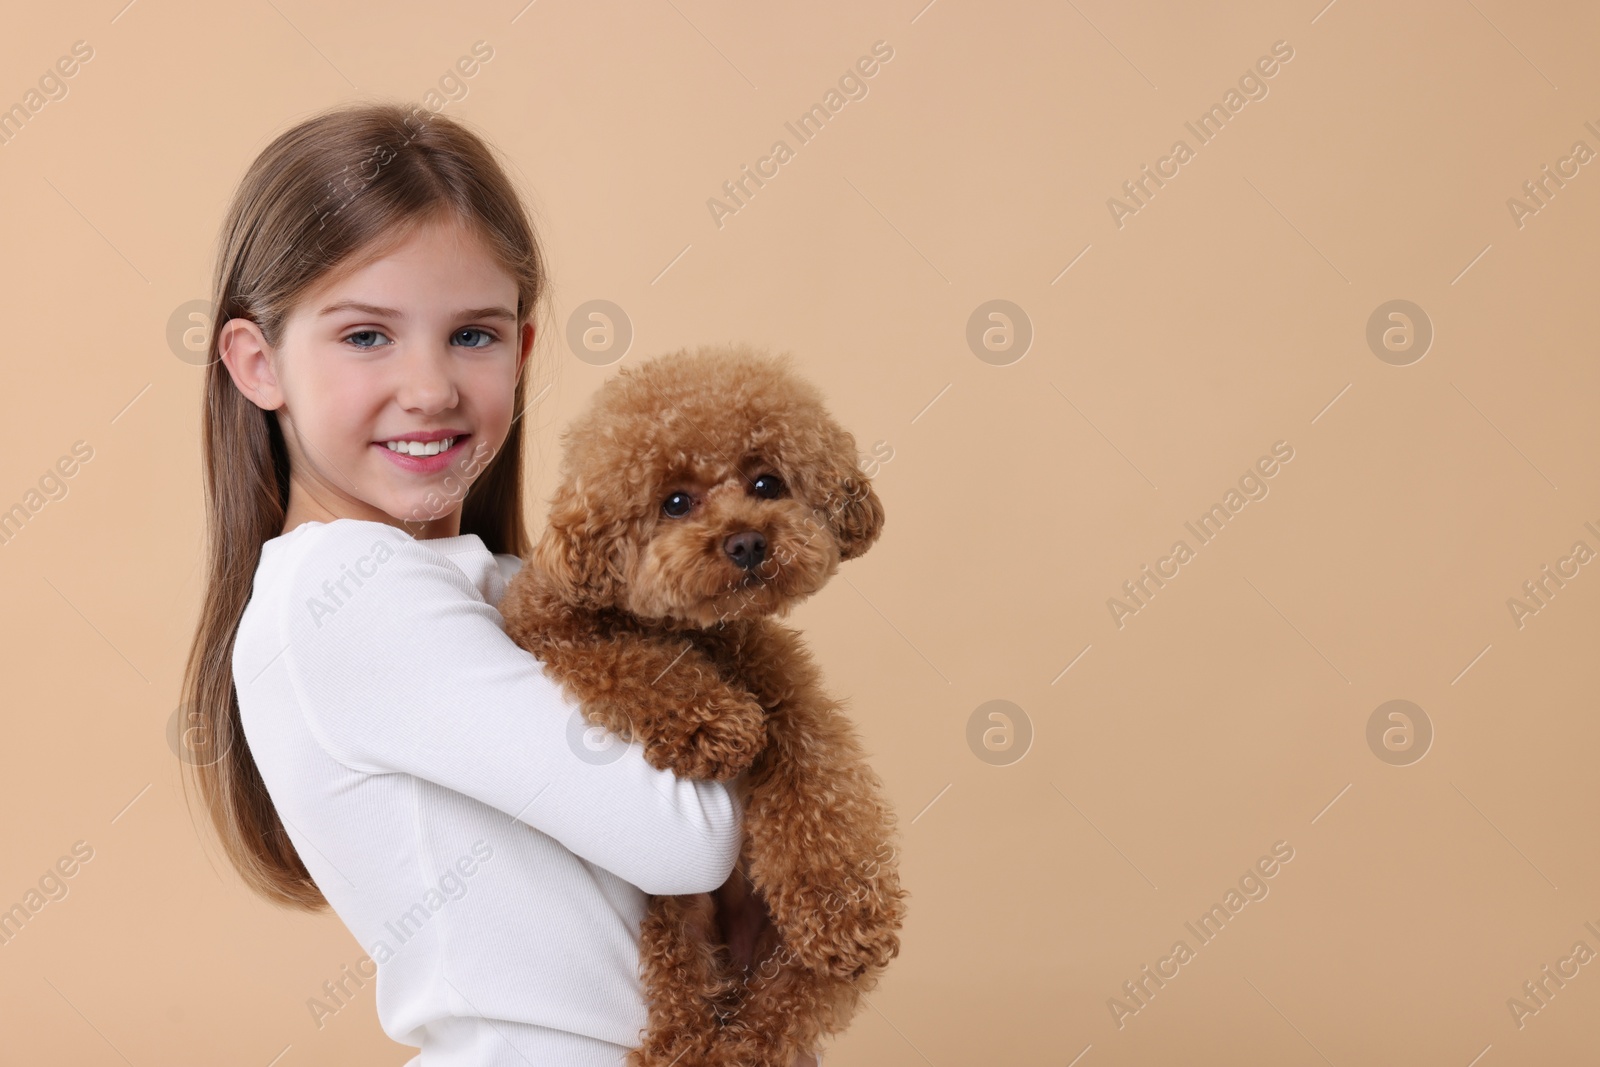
[421,343]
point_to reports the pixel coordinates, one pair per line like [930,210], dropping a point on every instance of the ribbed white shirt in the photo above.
[489,849]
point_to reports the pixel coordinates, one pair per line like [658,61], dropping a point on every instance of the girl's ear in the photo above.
[243,350]
[525,342]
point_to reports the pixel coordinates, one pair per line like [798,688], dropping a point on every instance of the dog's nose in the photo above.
[747,549]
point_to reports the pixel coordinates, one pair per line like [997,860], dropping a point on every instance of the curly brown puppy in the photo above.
[703,494]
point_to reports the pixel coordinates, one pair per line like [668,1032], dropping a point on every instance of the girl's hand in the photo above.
[805,1059]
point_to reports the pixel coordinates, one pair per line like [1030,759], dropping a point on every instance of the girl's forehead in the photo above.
[441,245]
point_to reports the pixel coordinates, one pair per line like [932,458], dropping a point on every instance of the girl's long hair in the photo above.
[332,192]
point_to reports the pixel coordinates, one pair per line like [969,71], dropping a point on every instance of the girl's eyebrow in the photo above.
[396,313]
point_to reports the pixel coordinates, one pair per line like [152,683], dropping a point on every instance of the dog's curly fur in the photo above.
[663,626]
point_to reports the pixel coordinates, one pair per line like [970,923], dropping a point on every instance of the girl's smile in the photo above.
[424,453]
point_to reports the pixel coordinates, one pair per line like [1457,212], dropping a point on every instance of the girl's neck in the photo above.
[303,510]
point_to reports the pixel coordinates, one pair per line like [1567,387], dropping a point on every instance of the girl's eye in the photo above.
[364,333]
[488,338]
[677,505]
[769,486]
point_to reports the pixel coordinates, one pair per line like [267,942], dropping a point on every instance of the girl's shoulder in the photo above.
[319,549]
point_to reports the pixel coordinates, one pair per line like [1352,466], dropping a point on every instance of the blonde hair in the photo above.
[327,195]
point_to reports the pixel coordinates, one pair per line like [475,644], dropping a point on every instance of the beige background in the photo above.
[1228,314]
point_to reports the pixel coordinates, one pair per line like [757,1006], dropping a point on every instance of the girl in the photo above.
[367,736]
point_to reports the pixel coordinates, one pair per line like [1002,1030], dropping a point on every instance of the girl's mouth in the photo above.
[424,464]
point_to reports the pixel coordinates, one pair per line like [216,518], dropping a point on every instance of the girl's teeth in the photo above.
[417,448]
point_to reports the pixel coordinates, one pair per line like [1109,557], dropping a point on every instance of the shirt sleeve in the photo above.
[400,665]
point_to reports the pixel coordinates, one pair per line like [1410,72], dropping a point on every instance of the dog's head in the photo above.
[704,486]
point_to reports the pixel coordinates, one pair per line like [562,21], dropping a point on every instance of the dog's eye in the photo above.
[769,486]
[677,505]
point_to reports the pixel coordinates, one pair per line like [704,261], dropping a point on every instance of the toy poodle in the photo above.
[702,495]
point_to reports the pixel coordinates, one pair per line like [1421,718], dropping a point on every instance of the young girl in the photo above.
[367,735]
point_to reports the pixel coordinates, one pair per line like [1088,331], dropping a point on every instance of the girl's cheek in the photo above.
[495,396]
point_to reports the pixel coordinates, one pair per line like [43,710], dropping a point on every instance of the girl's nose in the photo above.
[427,383]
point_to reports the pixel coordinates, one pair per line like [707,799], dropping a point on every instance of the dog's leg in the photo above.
[783,1012]
[702,956]
[662,691]
[822,851]
[818,832]
[683,984]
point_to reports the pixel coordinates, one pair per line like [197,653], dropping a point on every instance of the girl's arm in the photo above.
[401,666]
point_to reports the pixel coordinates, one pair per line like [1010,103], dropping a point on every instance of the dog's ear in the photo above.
[854,512]
[581,553]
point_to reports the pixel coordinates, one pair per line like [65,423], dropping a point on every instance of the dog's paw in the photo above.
[728,738]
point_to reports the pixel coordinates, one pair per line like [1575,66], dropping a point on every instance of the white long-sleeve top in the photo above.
[489,849]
